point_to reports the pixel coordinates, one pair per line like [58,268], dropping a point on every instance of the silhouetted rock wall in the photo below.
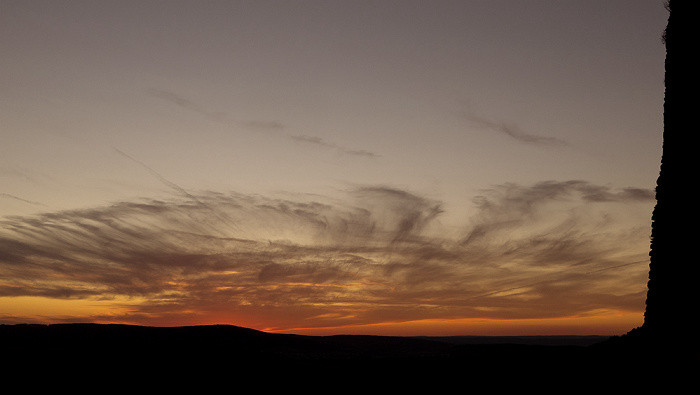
[672,296]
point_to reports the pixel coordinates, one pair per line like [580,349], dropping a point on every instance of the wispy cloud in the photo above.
[263,125]
[322,143]
[254,125]
[14,172]
[549,249]
[177,188]
[513,131]
[186,103]
[10,196]
[216,116]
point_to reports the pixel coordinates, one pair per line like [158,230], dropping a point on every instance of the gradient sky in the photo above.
[385,167]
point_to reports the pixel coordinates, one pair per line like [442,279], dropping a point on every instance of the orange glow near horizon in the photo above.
[48,311]
[605,324]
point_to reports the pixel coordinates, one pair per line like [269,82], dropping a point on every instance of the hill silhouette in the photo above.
[116,339]
[215,352]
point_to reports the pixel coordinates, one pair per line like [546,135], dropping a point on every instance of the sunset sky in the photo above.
[320,167]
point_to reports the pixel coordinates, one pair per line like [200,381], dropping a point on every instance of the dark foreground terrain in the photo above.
[119,354]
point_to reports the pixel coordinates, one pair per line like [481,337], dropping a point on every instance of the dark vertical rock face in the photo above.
[673,287]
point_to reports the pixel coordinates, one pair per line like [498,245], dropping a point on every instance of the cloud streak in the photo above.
[514,131]
[322,143]
[255,125]
[9,196]
[543,250]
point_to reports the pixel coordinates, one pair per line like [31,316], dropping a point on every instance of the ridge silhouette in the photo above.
[209,349]
[196,356]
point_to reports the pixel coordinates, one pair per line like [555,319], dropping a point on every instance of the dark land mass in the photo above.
[223,352]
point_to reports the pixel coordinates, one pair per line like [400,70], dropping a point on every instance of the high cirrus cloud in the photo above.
[255,125]
[381,254]
[513,131]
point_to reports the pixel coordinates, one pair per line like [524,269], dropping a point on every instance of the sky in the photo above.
[322,167]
